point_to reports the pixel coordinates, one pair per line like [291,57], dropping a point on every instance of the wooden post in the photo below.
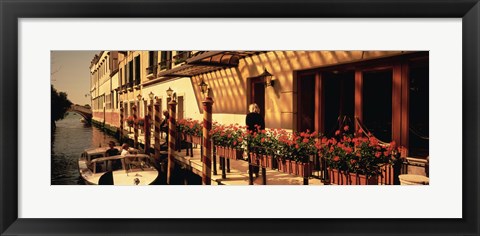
[147,131]
[172,132]
[250,168]
[264,176]
[157,130]
[121,124]
[207,142]
[214,160]
[358,97]
[135,127]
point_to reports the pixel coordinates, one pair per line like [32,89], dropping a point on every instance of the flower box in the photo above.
[196,140]
[265,161]
[303,169]
[280,164]
[357,179]
[220,151]
[288,167]
[229,153]
[234,154]
[337,177]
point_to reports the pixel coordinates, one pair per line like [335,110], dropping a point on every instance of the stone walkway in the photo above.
[238,174]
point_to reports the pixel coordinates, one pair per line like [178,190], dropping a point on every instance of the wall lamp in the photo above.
[151,95]
[139,97]
[268,78]
[169,92]
[203,87]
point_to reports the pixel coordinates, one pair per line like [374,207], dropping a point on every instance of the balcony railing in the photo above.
[152,71]
[181,57]
[165,65]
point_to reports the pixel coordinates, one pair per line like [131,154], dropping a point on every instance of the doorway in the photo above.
[339,103]
[377,103]
[306,103]
[258,93]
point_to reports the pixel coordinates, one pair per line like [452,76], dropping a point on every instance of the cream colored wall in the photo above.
[132,95]
[229,86]
[104,79]
[183,87]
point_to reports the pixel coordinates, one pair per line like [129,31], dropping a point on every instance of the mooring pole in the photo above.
[172,131]
[121,124]
[148,131]
[156,132]
[135,127]
[214,159]
[207,142]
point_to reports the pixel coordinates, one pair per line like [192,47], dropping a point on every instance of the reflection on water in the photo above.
[69,140]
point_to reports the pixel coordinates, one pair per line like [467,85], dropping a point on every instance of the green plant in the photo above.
[130,121]
[140,122]
[190,127]
[362,155]
[297,146]
[232,136]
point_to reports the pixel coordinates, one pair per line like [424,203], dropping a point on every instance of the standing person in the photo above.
[255,123]
[164,124]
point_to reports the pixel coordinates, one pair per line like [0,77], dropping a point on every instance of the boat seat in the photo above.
[136,161]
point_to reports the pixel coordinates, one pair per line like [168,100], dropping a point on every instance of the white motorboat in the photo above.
[98,169]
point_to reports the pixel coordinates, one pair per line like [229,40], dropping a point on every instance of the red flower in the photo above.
[337,132]
[324,140]
[346,128]
[305,140]
[336,158]
[263,140]
[353,161]
[378,154]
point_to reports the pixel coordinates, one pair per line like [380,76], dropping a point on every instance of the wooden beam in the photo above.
[213,64]
[405,123]
[358,97]
[397,103]
[319,104]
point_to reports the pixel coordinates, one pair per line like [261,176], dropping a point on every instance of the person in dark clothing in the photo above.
[254,118]
[255,123]
[112,151]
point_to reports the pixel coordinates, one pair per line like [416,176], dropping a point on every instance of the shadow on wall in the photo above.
[229,86]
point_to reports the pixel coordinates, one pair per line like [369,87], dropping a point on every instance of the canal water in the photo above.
[69,140]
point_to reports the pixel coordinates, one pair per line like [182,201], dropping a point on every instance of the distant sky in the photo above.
[71,74]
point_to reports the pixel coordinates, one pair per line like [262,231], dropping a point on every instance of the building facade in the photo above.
[382,92]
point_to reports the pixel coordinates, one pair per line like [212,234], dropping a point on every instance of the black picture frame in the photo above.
[11,11]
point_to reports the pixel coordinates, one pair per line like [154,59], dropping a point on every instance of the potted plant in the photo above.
[296,150]
[191,129]
[130,121]
[229,140]
[355,160]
